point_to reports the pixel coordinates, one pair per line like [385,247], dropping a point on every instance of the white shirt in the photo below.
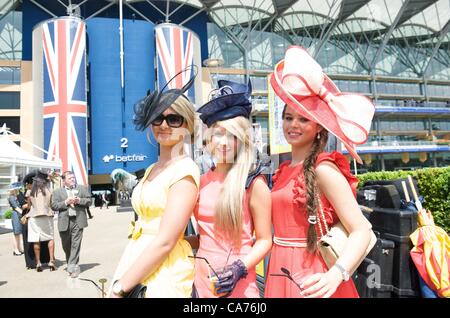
[70,194]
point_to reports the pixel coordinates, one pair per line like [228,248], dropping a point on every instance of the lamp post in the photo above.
[213,63]
[210,63]
[122,75]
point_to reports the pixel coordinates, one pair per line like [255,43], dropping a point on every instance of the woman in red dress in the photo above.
[315,181]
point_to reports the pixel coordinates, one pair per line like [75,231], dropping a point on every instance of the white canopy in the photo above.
[12,154]
[17,162]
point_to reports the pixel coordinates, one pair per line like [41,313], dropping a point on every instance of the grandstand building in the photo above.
[396,52]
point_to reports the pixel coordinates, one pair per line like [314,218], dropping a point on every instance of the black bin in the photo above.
[364,280]
[396,226]
[386,196]
[395,222]
[397,183]
[405,278]
[373,278]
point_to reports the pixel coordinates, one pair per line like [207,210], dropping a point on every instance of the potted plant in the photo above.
[7,215]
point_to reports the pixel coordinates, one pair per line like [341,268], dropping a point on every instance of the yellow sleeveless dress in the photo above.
[175,276]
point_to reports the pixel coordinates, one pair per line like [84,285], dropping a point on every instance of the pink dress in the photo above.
[290,224]
[214,247]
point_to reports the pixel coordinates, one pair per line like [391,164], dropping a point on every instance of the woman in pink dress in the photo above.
[234,209]
[315,182]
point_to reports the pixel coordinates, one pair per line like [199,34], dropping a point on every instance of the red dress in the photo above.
[290,222]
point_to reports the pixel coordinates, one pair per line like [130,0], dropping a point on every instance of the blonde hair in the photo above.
[185,108]
[229,207]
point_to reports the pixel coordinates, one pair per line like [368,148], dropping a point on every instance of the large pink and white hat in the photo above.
[300,82]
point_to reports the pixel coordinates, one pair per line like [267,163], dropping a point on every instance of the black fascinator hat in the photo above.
[155,103]
[39,174]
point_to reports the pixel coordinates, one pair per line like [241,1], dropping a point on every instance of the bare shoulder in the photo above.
[327,172]
[326,167]
[259,188]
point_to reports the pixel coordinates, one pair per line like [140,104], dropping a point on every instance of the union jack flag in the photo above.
[64,88]
[175,51]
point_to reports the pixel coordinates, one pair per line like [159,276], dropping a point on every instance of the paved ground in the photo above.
[103,243]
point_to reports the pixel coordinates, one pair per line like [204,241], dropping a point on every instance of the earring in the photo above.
[318,136]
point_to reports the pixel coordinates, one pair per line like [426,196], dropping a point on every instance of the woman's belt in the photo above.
[136,230]
[290,241]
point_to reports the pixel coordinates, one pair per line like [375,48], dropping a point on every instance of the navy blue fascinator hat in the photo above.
[230,100]
[155,103]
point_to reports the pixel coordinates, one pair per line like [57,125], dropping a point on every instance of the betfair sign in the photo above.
[125,158]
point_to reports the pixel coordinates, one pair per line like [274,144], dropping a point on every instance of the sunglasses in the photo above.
[287,274]
[172,120]
[203,258]
[209,265]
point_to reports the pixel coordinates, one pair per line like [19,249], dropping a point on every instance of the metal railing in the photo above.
[394,143]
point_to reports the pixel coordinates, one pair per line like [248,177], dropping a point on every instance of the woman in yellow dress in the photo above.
[157,254]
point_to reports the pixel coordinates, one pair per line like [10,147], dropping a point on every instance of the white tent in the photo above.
[11,154]
[15,161]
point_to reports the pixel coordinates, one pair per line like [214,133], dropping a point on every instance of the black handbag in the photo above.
[137,292]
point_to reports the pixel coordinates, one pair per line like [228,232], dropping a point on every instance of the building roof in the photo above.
[405,38]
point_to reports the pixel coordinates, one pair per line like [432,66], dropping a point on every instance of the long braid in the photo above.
[310,184]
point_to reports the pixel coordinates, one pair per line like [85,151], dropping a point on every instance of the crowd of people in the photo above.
[33,219]
[226,196]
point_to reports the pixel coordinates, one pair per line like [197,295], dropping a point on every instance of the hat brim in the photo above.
[313,107]
[222,102]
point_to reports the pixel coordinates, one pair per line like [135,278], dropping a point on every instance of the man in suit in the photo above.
[71,201]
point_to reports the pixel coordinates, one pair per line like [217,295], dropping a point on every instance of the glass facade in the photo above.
[10,31]
[9,75]
[440,124]
[12,122]
[442,159]
[439,90]
[259,83]
[413,161]
[357,43]
[362,87]
[9,100]
[409,69]
[402,161]
[346,37]
[401,124]
[263,121]
[398,88]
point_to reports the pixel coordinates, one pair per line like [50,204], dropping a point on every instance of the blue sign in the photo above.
[114,141]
